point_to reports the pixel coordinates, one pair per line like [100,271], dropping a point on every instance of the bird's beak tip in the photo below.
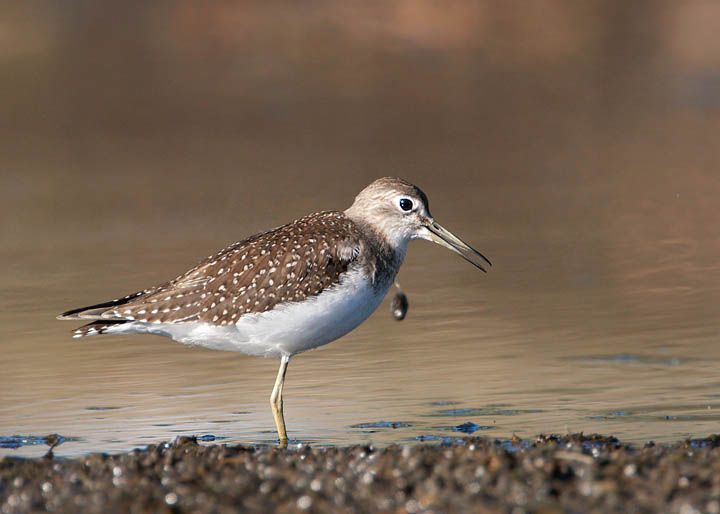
[444,237]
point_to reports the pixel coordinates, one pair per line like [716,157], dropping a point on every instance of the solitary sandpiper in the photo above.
[288,290]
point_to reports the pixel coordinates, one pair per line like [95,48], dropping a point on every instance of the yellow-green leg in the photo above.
[276,401]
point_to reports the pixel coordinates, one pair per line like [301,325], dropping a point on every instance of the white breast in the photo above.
[287,329]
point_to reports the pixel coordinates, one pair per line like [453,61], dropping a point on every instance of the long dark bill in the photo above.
[444,237]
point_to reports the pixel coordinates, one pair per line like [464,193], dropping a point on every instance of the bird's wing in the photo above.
[287,264]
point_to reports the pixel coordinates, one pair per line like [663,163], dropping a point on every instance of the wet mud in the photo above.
[573,473]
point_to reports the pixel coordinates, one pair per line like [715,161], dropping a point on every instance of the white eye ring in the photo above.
[406,204]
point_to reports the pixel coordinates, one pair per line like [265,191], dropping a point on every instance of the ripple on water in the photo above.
[430,438]
[629,358]
[18,441]
[469,427]
[652,413]
[611,415]
[368,427]
[491,410]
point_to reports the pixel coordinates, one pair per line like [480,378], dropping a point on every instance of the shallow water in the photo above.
[594,196]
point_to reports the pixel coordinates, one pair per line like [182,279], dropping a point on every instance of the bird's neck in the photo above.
[387,253]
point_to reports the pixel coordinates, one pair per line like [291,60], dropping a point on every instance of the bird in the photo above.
[288,290]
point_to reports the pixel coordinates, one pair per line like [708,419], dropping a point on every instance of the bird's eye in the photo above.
[406,204]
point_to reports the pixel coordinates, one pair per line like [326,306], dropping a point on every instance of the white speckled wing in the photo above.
[286,265]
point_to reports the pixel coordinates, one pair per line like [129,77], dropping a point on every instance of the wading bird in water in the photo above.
[288,290]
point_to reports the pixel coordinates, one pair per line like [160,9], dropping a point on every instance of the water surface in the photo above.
[590,180]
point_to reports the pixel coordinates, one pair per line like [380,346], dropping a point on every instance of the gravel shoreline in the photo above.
[573,473]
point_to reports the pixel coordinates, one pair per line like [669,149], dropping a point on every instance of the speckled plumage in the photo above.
[286,264]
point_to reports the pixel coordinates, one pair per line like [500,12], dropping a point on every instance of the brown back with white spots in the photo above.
[287,264]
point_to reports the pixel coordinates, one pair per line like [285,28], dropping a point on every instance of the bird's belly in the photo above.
[288,328]
[316,321]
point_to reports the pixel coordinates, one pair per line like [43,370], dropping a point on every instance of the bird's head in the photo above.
[399,211]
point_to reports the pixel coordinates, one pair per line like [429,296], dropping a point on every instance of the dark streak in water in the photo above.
[488,411]
[383,424]
[437,438]
[17,441]
[628,358]
[469,427]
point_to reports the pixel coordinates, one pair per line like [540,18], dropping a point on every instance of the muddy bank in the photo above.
[573,473]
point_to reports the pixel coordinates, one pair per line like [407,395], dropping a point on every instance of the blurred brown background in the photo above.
[575,143]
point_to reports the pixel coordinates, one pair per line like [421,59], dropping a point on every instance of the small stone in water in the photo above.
[399,306]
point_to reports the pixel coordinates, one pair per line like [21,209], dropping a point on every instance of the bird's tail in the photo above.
[100,324]
[96,328]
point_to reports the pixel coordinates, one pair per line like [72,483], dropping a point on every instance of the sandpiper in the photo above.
[288,290]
